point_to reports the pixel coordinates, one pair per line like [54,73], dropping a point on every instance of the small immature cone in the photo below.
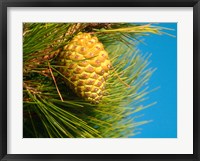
[85,64]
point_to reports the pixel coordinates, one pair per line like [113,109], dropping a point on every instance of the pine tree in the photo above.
[51,105]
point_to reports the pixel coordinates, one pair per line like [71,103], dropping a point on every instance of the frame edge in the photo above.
[3,80]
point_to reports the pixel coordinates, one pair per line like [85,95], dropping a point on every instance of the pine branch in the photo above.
[47,115]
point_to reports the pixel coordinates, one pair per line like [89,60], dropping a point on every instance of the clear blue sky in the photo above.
[164,113]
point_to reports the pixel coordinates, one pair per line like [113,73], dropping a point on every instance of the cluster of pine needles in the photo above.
[52,110]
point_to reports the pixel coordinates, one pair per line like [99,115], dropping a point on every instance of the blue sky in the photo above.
[164,113]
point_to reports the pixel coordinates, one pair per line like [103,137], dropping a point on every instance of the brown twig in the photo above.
[127,85]
[55,82]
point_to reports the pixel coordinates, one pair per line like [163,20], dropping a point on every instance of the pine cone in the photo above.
[85,64]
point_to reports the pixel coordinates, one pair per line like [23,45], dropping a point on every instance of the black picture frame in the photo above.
[4,4]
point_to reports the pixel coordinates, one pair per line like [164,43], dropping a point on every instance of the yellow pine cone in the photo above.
[86,66]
